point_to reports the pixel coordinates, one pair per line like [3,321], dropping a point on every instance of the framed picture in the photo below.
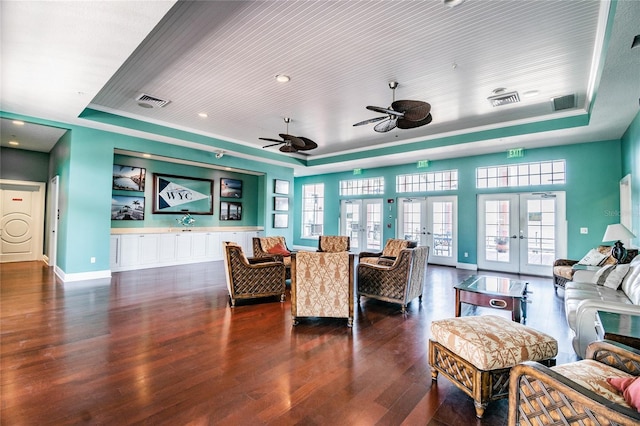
[231,188]
[281,204]
[281,187]
[128,178]
[125,207]
[178,194]
[281,220]
[230,210]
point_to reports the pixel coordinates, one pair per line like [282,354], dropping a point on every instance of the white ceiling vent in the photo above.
[504,99]
[563,102]
[148,101]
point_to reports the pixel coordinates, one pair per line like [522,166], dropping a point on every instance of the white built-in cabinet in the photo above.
[149,250]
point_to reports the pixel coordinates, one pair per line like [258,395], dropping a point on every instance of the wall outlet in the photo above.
[93,260]
[584,230]
[466,254]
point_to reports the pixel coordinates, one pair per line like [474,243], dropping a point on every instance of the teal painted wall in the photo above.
[83,159]
[631,165]
[59,162]
[591,196]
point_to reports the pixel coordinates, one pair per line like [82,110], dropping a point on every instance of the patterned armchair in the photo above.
[400,282]
[333,243]
[322,285]
[252,278]
[275,248]
[575,393]
[388,254]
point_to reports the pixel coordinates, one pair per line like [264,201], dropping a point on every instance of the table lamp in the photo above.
[617,232]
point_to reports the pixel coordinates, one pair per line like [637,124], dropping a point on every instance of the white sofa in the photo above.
[583,298]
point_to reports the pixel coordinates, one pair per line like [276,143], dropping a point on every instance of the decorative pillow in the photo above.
[601,275]
[630,389]
[611,276]
[593,258]
[279,249]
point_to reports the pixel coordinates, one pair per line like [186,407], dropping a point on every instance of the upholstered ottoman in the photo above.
[476,353]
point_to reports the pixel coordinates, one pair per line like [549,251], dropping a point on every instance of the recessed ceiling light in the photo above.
[530,93]
[18,122]
[282,78]
[452,3]
[203,115]
[146,155]
[14,143]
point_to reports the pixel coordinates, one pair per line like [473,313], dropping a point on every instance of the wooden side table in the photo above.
[623,328]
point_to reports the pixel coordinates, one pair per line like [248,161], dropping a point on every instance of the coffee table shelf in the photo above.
[493,292]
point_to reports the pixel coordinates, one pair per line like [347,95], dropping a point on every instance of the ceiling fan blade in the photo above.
[385,111]
[408,124]
[308,144]
[386,126]
[273,144]
[288,148]
[271,140]
[413,110]
[371,120]
[294,140]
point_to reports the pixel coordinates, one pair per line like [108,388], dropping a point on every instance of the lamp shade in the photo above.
[617,232]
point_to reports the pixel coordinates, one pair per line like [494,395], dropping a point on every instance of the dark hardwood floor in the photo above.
[162,346]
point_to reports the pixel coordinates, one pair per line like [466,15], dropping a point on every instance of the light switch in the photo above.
[584,230]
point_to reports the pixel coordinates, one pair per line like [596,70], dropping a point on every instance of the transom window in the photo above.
[525,174]
[433,181]
[312,210]
[362,186]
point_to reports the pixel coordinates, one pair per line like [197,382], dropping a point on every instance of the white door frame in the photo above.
[52,223]
[363,226]
[425,235]
[518,237]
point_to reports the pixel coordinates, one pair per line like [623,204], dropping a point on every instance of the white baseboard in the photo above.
[468,266]
[82,276]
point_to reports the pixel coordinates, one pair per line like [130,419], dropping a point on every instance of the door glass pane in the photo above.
[374,226]
[497,241]
[541,231]
[352,223]
[411,221]
[442,228]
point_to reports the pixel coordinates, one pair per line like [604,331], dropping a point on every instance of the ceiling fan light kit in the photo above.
[403,114]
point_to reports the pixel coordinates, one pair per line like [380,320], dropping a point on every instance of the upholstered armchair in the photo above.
[333,243]
[400,282]
[388,254]
[575,393]
[322,285]
[250,278]
[273,247]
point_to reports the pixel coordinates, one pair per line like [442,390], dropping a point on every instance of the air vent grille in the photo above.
[148,101]
[563,102]
[504,99]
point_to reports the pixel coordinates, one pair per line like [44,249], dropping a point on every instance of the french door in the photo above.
[431,221]
[521,233]
[361,220]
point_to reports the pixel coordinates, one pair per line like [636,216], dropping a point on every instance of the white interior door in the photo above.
[521,233]
[431,221]
[21,224]
[361,220]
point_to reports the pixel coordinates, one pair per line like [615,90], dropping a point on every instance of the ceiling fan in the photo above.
[404,114]
[291,143]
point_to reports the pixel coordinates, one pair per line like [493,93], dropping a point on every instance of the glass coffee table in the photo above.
[493,292]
